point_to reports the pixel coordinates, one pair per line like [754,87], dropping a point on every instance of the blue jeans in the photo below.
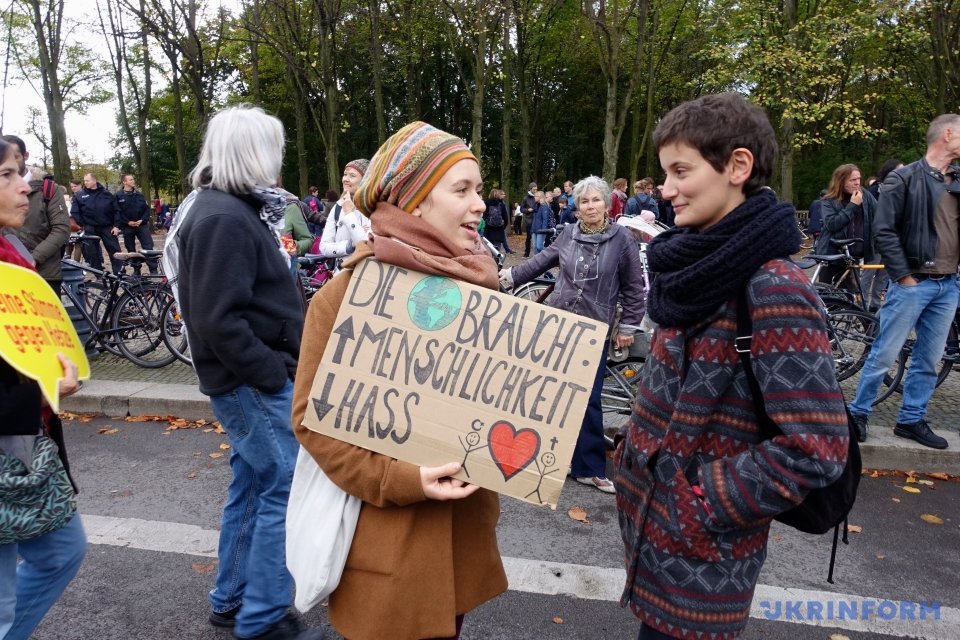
[253,535]
[539,240]
[589,454]
[927,307]
[28,590]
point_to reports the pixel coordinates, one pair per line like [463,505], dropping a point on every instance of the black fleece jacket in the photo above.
[242,310]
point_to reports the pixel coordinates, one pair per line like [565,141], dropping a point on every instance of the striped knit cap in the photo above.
[360,165]
[408,166]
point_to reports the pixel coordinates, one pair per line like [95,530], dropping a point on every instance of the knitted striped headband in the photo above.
[408,166]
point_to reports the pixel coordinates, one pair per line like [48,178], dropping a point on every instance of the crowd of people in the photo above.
[696,476]
[904,221]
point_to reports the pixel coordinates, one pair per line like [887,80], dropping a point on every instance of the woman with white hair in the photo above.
[599,266]
[244,319]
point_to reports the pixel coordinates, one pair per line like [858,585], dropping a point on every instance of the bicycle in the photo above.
[806,239]
[314,271]
[845,289]
[123,312]
[174,332]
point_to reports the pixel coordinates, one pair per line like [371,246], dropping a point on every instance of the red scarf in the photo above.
[9,253]
[407,241]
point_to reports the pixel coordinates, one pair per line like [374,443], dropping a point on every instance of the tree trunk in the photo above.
[787,123]
[611,141]
[47,29]
[146,166]
[178,129]
[786,161]
[255,55]
[525,166]
[635,146]
[328,15]
[376,57]
[300,132]
[610,32]
[507,88]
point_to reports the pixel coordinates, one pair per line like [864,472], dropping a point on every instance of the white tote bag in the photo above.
[321,520]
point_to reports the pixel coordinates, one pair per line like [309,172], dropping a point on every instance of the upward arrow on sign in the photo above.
[345,331]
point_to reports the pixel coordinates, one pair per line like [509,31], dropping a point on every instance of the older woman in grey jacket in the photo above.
[599,265]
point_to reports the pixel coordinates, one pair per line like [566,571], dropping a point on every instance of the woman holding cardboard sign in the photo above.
[599,267]
[425,548]
[50,553]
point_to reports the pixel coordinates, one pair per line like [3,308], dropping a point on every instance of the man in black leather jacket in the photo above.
[917,229]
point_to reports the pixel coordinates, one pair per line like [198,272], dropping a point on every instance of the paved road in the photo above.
[944,409]
[151,500]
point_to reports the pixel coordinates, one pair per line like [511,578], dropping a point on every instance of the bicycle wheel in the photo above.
[806,240]
[175,333]
[833,297]
[97,298]
[620,382]
[851,333]
[947,360]
[534,291]
[138,326]
[893,378]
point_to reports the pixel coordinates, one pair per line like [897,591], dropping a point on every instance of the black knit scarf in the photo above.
[697,271]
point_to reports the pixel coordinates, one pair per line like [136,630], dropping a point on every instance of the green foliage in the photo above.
[845,80]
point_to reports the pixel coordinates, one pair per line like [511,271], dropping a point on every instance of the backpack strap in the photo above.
[48,188]
[742,343]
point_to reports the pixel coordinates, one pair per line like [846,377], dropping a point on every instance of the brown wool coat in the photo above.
[415,564]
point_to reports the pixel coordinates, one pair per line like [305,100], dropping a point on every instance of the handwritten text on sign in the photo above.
[429,370]
[34,327]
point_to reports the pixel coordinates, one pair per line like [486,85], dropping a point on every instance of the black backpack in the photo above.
[494,215]
[825,508]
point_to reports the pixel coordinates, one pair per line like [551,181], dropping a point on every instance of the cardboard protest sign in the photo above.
[33,327]
[431,370]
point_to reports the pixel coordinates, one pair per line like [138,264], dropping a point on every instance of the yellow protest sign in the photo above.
[34,327]
[431,370]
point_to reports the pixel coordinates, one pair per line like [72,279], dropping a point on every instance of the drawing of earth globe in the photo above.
[434,303]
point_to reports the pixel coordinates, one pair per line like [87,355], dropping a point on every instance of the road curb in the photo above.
[112,398]
[882,450]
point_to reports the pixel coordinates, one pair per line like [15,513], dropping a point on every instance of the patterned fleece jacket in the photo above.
[692,564]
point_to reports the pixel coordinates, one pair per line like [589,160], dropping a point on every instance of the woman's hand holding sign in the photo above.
[438,484]
[69,384]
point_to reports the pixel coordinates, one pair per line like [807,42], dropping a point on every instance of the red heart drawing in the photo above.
[510,449]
